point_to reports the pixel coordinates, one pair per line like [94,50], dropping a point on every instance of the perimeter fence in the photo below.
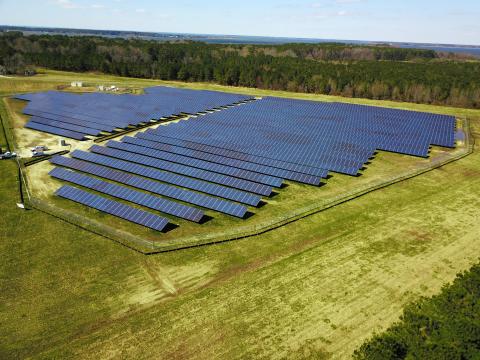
[147,246]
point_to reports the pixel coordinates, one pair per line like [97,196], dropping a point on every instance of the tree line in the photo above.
[446,326]
[374,72]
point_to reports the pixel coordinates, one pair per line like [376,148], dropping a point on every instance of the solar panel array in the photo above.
[187,196]
[170,178]
[114,208]
[223,160]
[78,115]
[136,197]
[305,136]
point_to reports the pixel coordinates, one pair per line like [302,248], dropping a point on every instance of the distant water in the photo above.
[278,41]
[454,49]
[236,39]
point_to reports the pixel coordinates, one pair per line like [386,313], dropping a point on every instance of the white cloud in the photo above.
[69,4]
[140,11]
[66,4]
[332,3]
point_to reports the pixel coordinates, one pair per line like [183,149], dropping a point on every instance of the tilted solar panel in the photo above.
[153,136]
[138,182]
[178,180]
[66,126]
[235,163]
[69,120]
[121,192]
[114,208]
[273,137]
[215,179]
[197,163]
[56,131]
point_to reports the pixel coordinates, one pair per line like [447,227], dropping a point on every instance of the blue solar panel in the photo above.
[114,208]
[25,97]
[285,133]
[121,192]
[56,131]
[260,142]
[66,126]
[179,180]
[212,158]
[198,163]
[154,136]
[120,111]
[69,120]
[184,170]
[138,182]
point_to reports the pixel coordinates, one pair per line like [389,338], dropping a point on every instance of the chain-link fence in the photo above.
[297,214]
[240,232]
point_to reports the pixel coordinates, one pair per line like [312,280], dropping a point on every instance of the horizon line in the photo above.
[247,36]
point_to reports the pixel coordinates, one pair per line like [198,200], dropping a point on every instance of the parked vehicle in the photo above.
[8,155]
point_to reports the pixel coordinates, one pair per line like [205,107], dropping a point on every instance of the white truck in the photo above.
[39,150]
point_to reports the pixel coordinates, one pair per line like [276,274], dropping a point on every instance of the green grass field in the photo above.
[316,288]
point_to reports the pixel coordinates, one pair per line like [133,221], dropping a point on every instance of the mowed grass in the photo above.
[313,289]
[294,198]
[286,202]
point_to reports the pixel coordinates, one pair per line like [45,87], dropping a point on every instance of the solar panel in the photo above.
[114,208]
[260,142]
[56,131]
[188,196]
[119,111]
[65,119]
[174,179]
[121,192]
[193,152]
[287,133]
[66,126]
[198,163]
[154,136]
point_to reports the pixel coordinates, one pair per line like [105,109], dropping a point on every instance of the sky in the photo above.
[429,21]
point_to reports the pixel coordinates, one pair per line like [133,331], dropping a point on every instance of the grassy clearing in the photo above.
[294,197]
[313,289]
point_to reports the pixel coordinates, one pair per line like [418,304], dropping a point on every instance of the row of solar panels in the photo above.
[334,137]
[79,115]
[208,184]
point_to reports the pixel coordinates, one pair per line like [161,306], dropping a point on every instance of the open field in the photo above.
[292,200]
[316,288]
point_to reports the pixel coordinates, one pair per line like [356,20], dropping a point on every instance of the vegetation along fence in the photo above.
[146,246]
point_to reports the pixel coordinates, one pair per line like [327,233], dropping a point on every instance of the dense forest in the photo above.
[446,326]
[375,72]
